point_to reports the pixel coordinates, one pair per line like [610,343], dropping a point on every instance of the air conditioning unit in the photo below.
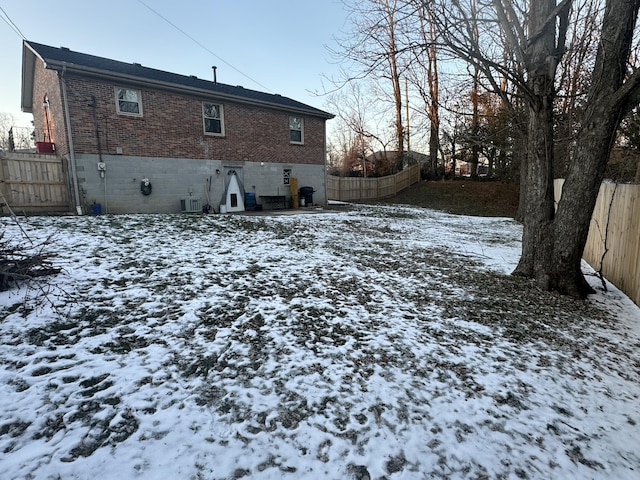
[190,205]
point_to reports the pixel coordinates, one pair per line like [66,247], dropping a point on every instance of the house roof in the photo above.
[63,59]
[412,154]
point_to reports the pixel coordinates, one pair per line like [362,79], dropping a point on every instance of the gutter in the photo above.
[72,155]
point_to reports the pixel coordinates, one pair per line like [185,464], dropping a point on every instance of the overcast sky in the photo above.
[275,46]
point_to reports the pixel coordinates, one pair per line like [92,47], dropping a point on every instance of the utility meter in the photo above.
[102,167]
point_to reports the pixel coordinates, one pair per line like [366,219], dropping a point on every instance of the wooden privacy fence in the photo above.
[358,188]
[33,183]
[615,229]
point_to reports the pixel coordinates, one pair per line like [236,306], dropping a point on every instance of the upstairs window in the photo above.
[128,102]
[212,115]
[296,134]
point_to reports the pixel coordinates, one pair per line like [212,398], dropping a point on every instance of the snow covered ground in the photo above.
[375,343]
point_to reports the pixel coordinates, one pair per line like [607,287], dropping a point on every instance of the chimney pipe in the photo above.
[215,77]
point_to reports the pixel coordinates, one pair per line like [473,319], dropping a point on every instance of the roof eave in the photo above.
[28,73]
[105,74]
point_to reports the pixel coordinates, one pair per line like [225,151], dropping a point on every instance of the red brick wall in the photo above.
[172,126]
[47,83]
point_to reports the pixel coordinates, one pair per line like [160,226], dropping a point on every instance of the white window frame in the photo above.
[204,118]
[138,101]
[291,119]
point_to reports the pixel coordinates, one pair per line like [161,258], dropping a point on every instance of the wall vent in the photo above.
[190,205]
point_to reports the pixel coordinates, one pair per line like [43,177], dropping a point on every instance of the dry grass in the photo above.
[463,197]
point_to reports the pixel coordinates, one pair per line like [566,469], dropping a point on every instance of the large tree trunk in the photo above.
[434,147]
[606,107]
[578,200]
[553,244]
[537,193]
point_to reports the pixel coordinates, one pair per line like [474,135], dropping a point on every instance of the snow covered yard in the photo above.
[380,342]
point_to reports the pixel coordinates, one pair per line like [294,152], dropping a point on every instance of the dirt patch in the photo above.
[463,197]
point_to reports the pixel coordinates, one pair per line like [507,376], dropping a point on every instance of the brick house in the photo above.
[141,140]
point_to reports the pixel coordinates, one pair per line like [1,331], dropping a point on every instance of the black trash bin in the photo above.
[306,194]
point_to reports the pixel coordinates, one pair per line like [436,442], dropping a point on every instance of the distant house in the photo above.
[141,140]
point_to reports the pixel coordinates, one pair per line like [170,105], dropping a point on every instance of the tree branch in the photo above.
[561,9]
[516,41]
[628,95]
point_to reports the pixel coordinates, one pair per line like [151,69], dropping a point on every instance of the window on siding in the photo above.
[212,115]
[128,101]
[296,133]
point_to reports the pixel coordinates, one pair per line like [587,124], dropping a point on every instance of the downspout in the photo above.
[324,148]
[72,155]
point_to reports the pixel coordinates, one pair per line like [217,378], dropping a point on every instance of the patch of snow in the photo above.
[381,341]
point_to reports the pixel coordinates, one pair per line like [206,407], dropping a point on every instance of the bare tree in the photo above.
[475,93]
[12,136]
[627,166]
[373,51]
[423,73]
[357,127]
[6,122]
[614,91]
[389,7]
[536,33]
[574,75]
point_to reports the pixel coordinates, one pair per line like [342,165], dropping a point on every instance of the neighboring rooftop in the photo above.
[58,57]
